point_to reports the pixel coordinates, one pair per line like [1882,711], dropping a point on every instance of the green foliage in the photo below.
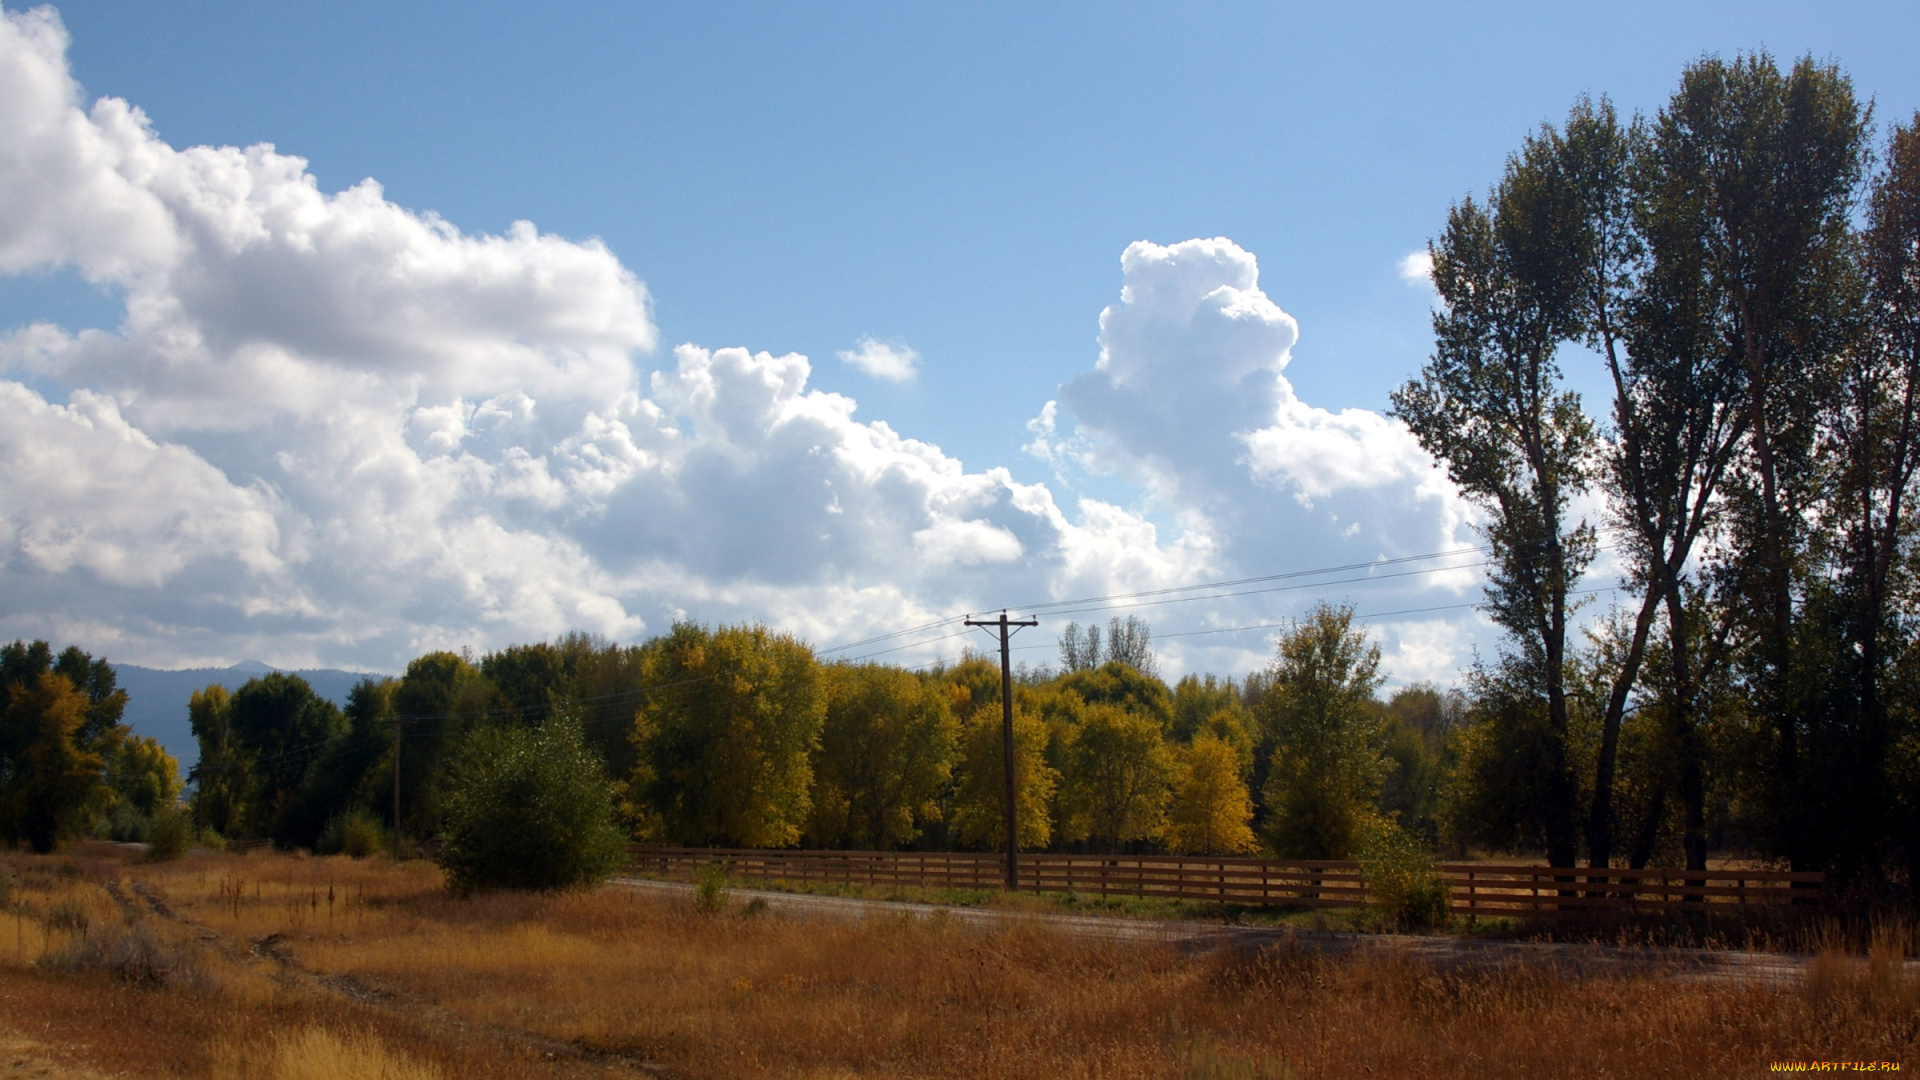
[357,833]
[886,754]
[278,725]
[1327,761]
[347,771]
[220,777]
[169,833]
[529,809]
[1499,790]
[726,735]
[1418,720]
[1490,407]
[444,697]
[1402,882]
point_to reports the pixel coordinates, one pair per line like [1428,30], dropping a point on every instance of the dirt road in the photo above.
[1442,951]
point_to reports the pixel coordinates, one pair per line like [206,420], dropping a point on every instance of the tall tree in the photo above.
[1211,812]
[1118,772]
[438,701]
[979,815]
[1753,175]
[36,745]
[726,736]
[887,747]
[1328,757]
[53,778]
[283,726]
[1491,408]
[144,777]
[220,777]
[1874,432]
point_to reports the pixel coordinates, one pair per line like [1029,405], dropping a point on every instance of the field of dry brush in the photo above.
[284,967]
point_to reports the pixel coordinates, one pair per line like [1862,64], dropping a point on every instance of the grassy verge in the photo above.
[274,966]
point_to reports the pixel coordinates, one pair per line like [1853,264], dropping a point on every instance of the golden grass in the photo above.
[315,1053]
[369,966]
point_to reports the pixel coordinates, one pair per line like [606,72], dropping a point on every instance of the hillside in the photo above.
[157,699]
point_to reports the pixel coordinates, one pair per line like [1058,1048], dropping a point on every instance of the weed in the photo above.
[66,914]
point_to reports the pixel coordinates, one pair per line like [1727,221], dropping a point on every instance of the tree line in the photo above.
[739,736]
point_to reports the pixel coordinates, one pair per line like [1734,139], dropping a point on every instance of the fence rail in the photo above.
[1473,888]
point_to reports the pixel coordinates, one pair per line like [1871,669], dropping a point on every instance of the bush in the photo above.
[710,890]
[168,834]
[357,833]
[1401,881]
[529,809]
[125,824]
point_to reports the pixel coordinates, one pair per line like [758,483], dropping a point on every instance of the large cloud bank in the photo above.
[330,430]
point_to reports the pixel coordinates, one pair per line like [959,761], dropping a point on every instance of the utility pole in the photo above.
[1006,627]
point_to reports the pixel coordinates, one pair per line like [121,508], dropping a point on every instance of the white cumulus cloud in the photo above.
[1190,399]
[333,430]
[894,363]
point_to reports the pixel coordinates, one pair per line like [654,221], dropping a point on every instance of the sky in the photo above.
[334,333]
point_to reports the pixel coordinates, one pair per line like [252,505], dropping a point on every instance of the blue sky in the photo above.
[959,180]
[958,177]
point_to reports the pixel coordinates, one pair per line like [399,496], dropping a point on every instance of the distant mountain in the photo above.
[157,700]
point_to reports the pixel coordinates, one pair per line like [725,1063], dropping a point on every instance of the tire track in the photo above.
[372,994]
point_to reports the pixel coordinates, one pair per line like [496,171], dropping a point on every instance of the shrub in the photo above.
[1401,881]
[529,809]
[131,952]
[168,834]
[710,891]
[357,833]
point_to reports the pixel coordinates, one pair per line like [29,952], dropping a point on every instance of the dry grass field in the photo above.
[274,966]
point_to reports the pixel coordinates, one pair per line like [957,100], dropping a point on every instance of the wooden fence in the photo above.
[1474,888]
